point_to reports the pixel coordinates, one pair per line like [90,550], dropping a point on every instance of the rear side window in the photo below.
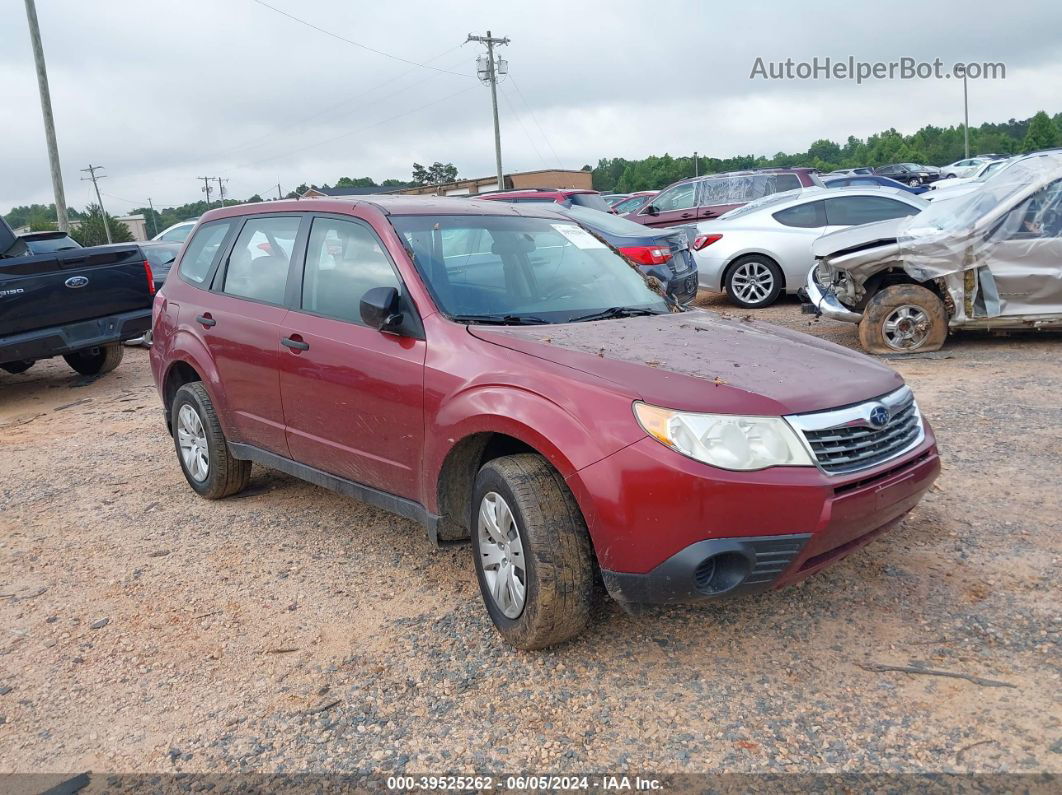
[806,216]
[855,210]
[258,264]
[591,200]
[343,261]
[742,188]
[201,251]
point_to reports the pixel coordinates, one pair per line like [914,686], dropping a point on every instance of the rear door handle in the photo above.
[686,215]
[294,344]
[206,320]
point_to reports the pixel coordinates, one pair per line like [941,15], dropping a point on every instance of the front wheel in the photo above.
[15,368]
[903,318]
[532,552]
[753,282]
[914,182]
[96,361]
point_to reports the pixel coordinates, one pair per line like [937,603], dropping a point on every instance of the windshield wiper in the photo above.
[615,311]
[500,320]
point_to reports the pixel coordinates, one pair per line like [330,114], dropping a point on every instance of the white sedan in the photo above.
[757,251]
[960,186]
[963,168]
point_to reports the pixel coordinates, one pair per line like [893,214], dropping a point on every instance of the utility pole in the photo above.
[221,189]
[154,224]
[488,73]
[206,188]
[696,165]
[95,184]
[966,118]
[49,122]
[279,194]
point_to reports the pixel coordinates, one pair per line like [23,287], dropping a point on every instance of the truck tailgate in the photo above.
[69,286]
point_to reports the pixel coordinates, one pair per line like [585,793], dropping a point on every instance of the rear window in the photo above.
[202,250]
[592,201]
[46,245]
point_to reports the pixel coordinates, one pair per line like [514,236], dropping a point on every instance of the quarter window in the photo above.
[344,260]
[258,264]
[201,251]
[855,210]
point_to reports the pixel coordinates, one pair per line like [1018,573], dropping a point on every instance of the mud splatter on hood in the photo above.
[702,361]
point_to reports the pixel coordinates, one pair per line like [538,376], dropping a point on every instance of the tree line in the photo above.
[930,145]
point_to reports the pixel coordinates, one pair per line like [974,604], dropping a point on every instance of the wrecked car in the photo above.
[991,259]
[500,375]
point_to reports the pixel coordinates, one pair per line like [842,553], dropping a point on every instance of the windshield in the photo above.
[484,268]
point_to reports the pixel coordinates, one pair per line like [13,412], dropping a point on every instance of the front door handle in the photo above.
[295,344]
[686,215]
[206,320]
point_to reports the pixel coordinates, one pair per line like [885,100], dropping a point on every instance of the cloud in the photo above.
[236,90]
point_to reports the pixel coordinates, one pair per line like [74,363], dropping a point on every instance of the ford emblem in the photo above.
[77,281]
[879,417]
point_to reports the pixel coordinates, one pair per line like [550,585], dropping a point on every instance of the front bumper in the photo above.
[667,529]
[826,303]
[55,341]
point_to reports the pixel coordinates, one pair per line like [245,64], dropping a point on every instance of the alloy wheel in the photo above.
[192,439]
[502,555]
[906,327]
[752,282]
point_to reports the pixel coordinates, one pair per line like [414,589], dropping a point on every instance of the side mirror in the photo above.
[651,210]
[379,308]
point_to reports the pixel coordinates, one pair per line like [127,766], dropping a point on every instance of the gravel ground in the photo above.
[291,629]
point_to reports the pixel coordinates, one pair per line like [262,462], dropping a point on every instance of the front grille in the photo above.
[851,443]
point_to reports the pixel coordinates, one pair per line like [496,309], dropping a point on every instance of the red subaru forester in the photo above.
[495,371]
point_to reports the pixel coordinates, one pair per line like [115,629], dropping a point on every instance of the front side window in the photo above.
[201,251]
[258,265]
[487,268]
[803,216]
[681,197]
[344,260]
[856,210]
[1039,216]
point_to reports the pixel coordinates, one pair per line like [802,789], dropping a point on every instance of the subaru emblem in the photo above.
[879,417]
[77,281]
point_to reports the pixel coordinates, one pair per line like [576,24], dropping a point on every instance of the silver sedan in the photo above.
[759,250]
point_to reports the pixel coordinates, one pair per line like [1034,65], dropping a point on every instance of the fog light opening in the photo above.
[721,573]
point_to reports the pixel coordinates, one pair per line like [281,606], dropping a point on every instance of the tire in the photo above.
[919,321]
[914,182]
[195,423]
[96,361]
[15,368]
[551,539]
[753,281]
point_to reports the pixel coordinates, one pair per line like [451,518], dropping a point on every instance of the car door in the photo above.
[240,323]
[353,396]
[674,206]
[1025,259]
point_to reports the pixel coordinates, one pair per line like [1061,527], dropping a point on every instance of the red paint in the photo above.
[386,410]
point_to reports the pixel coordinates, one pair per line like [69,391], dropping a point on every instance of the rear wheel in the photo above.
[914,182]
[202,451]
[96,361]
[753,282]
[903,318]
[532,552]
[18,367]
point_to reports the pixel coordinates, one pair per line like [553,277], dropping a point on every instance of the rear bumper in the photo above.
[55,341]
[670,530]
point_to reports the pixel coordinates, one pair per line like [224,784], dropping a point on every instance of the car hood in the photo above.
[703,361]
[858,237]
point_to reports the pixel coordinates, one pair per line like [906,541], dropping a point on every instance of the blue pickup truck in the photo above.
[78,303]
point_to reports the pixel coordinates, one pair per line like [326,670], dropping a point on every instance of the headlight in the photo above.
[725,440]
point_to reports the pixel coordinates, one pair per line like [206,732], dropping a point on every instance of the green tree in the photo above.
[1042,133]
[91,230]
[360,182]
[436,174]
[394,183]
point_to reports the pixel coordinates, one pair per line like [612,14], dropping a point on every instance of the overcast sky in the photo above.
[161,93]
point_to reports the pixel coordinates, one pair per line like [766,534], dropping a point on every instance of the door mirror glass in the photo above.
[379,309]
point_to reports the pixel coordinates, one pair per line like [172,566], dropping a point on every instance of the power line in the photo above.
[355,43]
[206,188]
[535,120]
[523,127]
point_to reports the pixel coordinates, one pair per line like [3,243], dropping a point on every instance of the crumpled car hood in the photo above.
[854,237]
[703,361]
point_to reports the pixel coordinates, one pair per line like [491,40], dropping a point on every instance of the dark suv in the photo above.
[496,372]
[701,198]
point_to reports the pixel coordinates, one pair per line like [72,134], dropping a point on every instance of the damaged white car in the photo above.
[989,260]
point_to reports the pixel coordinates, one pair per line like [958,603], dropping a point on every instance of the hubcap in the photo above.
[752,282]
[502,555]
[906,327]
[191,438]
